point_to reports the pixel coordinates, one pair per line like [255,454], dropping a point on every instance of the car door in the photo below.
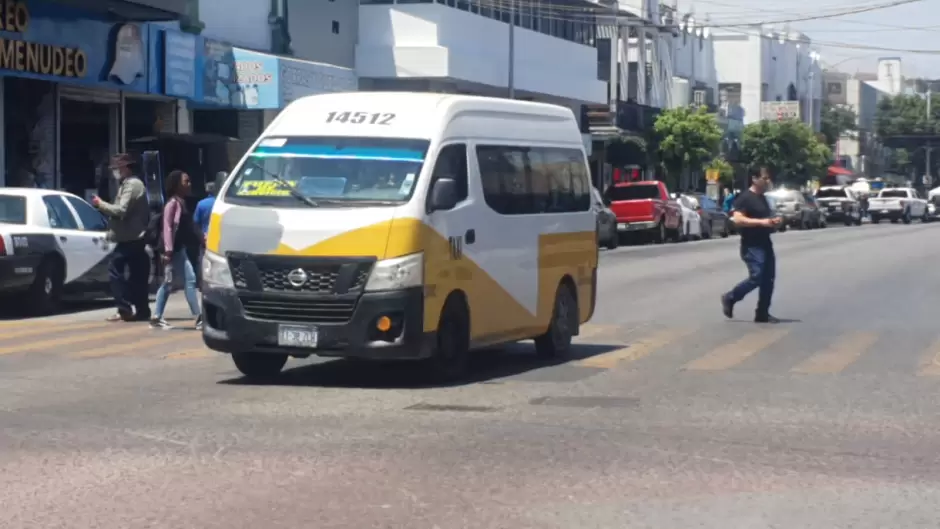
[80,252]
[95,227]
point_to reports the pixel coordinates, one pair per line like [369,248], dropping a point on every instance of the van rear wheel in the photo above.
[556,342]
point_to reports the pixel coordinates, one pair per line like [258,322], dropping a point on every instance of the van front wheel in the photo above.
[556,342]
[452,349]
[259,365]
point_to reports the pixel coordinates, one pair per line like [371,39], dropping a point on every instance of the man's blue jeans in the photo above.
[761,273]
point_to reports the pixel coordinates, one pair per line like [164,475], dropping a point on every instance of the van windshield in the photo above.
[328,171]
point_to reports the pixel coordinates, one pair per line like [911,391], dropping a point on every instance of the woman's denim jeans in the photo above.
[179,261]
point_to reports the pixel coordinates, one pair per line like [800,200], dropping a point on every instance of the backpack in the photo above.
[153,237]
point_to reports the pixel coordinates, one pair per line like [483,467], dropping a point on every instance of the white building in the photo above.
[695,78]
[467,46]
[756,65]
[860,150]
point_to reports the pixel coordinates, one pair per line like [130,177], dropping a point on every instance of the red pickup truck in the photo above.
[645,207]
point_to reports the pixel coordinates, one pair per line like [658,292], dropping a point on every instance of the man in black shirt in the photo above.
[755,221]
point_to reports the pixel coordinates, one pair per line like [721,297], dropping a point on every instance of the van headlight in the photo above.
[397,273]
[215,270]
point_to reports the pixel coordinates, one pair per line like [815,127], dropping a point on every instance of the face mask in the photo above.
[116,174]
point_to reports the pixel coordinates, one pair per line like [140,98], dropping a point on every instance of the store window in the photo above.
[29,133]
[88,136]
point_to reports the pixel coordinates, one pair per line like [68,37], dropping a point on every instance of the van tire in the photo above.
[556,342]
[259,366]
[451,356]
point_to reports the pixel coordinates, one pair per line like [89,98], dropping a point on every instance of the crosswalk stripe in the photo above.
[930,362]
[37,329]
[635,351]
[733,354]
[110,333]
[838,356]
[140,345]
[205,352]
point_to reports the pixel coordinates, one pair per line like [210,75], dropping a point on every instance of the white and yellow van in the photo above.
[402,226]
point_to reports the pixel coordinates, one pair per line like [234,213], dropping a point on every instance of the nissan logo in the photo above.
[297,278]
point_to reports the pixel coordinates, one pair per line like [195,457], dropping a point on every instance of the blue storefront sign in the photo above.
[214,74]
[55,42]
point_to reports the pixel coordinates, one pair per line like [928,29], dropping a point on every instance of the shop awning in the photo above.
[138,10]
[835,170]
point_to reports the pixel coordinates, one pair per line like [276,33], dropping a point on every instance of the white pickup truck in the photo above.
[898,203]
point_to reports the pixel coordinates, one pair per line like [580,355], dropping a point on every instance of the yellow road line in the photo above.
[930,362]
[635,351]
[41,327]
[838,356]
[139,346]
[106,336]
[733,354]
[205,352]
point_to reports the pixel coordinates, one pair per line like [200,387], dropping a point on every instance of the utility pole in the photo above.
[614,92]
[929,178]
[512,49]
[812,98]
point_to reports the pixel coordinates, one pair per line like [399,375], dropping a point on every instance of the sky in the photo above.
[914,26]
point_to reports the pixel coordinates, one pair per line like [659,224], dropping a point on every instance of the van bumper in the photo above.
[228,329]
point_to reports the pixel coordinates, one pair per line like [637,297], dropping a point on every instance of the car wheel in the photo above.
[46,290]
[556,342]
[259,365]
[659,237]
[451,356]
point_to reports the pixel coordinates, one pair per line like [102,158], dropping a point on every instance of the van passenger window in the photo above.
[452,163]
[533,180]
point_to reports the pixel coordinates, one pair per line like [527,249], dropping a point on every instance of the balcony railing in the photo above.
[631,117]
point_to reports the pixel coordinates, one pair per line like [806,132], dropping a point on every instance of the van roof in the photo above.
[413,112]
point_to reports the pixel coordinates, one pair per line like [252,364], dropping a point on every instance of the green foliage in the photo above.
[627,150]
[836,120]
[905,114]
[725,170]
[789,148]
[686,138]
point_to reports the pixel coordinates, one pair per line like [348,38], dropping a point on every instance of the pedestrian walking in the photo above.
[203,215]
[127,216]
[178,237]
[755,221]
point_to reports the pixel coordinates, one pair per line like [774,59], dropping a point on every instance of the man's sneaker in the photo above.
[160,323]
[199,323]
[765,318]
[727,307]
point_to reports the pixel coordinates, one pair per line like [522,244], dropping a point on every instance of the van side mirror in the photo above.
[443,195]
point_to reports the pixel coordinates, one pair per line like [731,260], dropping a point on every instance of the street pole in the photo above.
[512,49]
[927,165]
[812,94]
[614,63]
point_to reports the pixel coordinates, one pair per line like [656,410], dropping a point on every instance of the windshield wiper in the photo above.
[359,202]
[289,187]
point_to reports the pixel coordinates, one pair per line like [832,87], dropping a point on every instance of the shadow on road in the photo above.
[486,365]
[751,321]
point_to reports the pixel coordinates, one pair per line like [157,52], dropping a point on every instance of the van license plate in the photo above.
[297,336]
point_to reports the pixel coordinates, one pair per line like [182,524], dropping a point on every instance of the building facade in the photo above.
[76,83]
[860,150]
[756,66]
[540,51]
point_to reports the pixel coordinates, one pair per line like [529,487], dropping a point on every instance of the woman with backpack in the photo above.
[178,236]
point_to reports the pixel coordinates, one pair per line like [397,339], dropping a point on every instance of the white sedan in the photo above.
[691,227]
[52,246]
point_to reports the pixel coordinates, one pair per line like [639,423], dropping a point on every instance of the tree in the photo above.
[905,116]
[725,170]
[836,120]
[686,138]
[789,148]
[627,150]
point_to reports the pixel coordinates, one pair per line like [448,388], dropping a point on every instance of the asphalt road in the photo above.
[668,417]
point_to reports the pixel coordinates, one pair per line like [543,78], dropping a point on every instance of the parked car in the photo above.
[52,247]
[898,204]
[607,235]
[772,204]
[714,219]
[645,207]
[691,220]
[840,204]
[791,205]
[818,218]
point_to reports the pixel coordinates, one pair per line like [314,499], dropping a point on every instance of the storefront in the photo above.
[75,88]
[235,92]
